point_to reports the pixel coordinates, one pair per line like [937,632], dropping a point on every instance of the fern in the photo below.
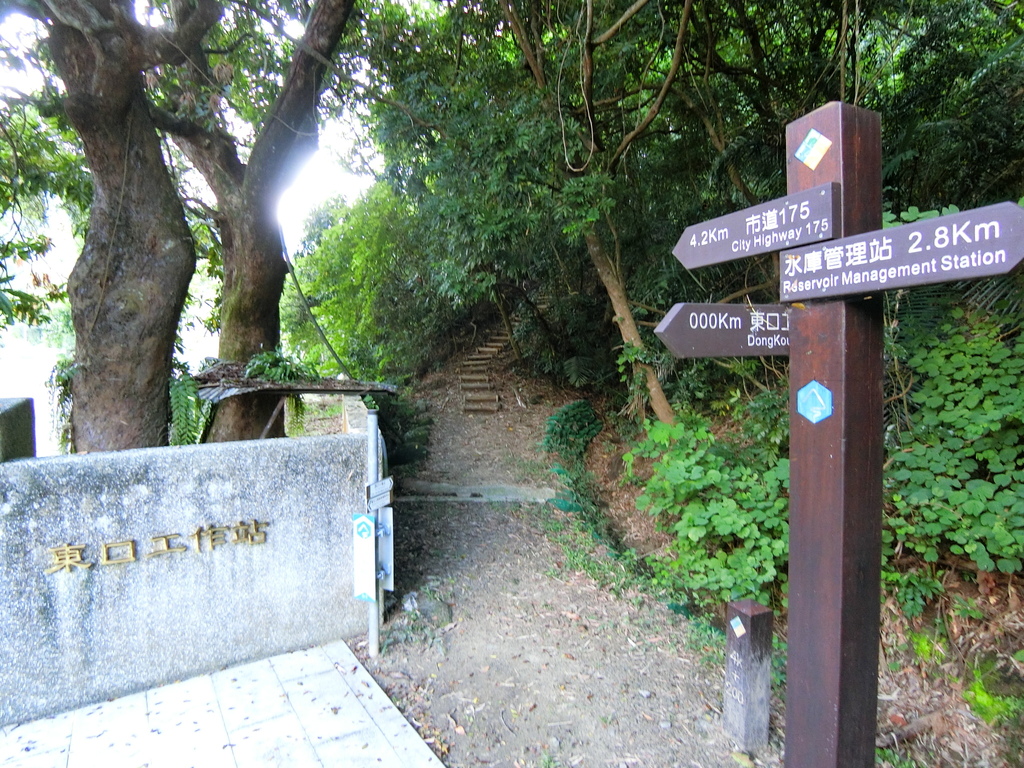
[189,413]
[580,370]
[277,366]
[59,385]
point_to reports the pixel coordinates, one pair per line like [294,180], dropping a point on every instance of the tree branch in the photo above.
[164,46]
[677,59]
[512,17]
[747,291]
[413,117]
[716,133]
[291,127]
[614,28]
[83,16]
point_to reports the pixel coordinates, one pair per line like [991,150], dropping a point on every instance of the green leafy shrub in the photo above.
[954,481]
[568,434]
[570,430]
[726,503]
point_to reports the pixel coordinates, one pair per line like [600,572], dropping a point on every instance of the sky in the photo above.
[322,178]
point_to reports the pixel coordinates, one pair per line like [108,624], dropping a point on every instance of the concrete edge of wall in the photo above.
[17,429]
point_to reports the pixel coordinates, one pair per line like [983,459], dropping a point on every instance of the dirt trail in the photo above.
[512,658]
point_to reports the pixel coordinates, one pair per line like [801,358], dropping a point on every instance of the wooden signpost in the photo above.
[836,407]
[836,455]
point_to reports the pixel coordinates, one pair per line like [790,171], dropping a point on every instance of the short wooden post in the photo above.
[748,674]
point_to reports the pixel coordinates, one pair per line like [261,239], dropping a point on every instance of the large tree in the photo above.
[129,284]
[285,121]
[519,121]
[131,74]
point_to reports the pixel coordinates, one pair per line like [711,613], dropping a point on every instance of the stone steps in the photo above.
[478,396]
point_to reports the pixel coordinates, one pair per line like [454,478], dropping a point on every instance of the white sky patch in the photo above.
[22,35]
[322,178]
[326,175]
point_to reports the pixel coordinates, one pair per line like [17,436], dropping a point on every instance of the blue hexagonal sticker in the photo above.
[814,402]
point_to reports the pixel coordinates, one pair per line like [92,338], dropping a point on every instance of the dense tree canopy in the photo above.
[542,158]
[546,149]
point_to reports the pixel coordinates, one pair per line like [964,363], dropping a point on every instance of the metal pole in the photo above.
[372,476]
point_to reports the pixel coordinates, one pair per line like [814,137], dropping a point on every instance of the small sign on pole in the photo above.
[725,330]
[379,494]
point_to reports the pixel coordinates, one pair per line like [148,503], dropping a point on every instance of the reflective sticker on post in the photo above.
[364,557]
[737,627]
[814,147]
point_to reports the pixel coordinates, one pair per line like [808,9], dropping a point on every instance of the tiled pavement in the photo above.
[317,707]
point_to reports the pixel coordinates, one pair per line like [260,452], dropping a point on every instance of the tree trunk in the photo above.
[254,275]
[613,284]
[128,287]
[247,196]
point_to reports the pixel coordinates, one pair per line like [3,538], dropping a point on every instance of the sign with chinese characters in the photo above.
[70,557]
[961,246]
[747,691]
[805,217]
[725,330]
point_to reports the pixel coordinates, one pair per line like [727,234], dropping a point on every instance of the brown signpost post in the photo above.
[836,455]
[836,406]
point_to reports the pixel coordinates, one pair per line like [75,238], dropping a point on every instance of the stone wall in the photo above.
[121,571]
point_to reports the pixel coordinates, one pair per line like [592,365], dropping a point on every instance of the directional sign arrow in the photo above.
[961,246]
[379,487]
[379,494]
[804,217]
[379,501]
[725,330]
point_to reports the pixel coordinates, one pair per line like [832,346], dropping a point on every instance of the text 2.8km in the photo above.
[961,246]
[945,237]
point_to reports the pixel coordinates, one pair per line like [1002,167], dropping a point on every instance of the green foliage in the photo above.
[277,366]
[189,414]
[890,758]
[913,213]
[570,430]
[954,480]
[568,434]
[991,707]
[39,160]
[913,587]
[378,296]
[726,503]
